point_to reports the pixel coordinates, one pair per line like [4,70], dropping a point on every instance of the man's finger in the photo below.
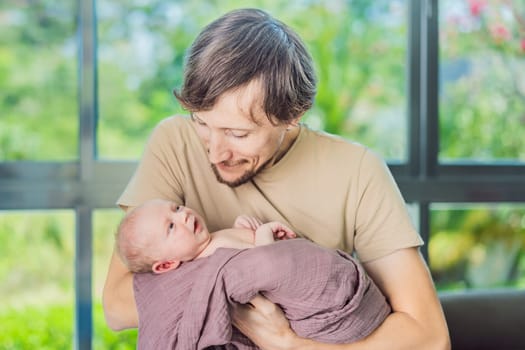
[262,304]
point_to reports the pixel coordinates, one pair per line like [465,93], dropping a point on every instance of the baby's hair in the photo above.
[131,249]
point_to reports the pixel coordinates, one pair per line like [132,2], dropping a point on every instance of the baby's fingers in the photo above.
[284,233]
[255,222]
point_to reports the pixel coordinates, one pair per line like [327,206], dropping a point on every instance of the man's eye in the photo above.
[238,134]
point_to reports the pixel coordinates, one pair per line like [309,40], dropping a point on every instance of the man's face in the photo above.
[239,138]
[173,232]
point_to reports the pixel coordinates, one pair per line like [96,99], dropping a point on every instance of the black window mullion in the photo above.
[424,227]
[414,87]
[431,86]
[83,296]
[88,108]
[88,103]
[428,118]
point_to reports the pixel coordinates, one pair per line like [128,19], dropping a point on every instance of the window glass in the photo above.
[37,272]
[477,246]
[38,80]
[105,223]
[482,80]
[359,48]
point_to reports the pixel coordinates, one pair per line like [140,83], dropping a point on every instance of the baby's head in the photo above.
[135,247]
[159,235]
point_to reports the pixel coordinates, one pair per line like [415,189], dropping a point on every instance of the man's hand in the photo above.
[264,323]
[417,321]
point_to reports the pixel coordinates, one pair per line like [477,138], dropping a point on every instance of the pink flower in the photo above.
[476,6]
[500,33]
[522,44]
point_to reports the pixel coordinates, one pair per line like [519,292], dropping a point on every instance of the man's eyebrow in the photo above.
[242,128]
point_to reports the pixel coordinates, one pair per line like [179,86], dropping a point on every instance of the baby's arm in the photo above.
[269,232]
[249,222]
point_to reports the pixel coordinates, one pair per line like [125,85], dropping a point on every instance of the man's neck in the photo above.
[288,141]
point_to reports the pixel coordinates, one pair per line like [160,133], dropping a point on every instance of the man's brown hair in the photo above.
[246,45]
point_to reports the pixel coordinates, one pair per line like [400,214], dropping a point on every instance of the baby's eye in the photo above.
[172,225]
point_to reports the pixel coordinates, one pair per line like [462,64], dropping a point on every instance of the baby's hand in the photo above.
[281,231]
[271,231]
[248,222]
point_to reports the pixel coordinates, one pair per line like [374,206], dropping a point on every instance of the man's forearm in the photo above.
[417,321]
[118,300]
[398,331]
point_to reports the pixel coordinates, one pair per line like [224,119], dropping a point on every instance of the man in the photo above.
[248,81]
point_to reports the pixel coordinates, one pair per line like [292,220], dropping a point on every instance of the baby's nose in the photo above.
[181,214]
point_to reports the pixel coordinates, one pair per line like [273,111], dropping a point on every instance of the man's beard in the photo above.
[244,178]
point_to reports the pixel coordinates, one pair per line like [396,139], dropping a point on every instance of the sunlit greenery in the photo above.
[482,89]
[477,246]
[36,271]
[50,327]
[360,50]
[38,81]
[362,86]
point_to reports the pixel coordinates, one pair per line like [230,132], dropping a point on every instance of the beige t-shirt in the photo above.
[332,191]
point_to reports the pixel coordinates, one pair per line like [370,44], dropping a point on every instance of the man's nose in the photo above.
[217,149]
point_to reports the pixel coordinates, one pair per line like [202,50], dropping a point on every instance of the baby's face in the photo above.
[176,232]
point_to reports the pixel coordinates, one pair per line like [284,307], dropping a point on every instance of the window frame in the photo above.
[89,183]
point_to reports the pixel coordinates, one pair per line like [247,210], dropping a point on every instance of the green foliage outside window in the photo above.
[482,119]
[477,246]
[36,270]
[360,50]
[38,80]
[482,109]
[49,327]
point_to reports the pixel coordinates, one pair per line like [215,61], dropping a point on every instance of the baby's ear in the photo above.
[165,266]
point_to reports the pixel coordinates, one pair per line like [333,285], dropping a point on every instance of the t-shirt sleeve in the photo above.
[382,221]
[158,174]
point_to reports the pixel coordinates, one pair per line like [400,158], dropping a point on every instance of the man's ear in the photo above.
[165,266]
[294,122]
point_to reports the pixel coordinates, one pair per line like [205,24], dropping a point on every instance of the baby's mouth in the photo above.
[195,225]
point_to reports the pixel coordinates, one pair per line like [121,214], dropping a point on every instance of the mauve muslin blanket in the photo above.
[324,294]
